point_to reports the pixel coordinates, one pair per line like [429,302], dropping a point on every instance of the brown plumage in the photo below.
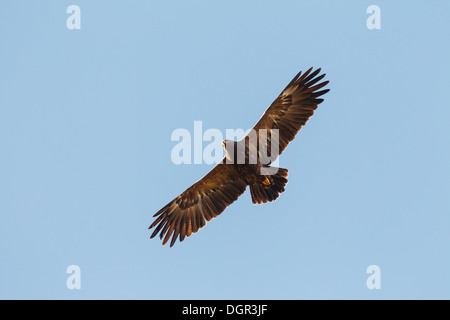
[208,197]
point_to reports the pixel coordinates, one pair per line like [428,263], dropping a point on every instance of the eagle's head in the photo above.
[224,143]
[228,144]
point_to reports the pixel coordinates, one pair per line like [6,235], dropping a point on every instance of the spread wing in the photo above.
[204,200]
[292,108]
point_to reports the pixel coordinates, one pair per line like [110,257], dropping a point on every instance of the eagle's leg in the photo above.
[268,188]
[267,182]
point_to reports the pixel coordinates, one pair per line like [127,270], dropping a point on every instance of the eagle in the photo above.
[243,164]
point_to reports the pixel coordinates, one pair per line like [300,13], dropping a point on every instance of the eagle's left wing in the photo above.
[204,200]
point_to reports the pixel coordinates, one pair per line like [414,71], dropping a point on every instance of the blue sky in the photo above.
[86,118]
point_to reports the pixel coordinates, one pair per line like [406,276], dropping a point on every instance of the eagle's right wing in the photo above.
[292,108]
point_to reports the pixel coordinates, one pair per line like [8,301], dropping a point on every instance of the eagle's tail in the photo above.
[269,187]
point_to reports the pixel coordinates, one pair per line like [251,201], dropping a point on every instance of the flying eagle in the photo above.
[208,197]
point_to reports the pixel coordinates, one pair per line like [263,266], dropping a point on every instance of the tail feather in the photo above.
[271,189]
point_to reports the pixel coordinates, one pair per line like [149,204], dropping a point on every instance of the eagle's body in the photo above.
[245,164]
